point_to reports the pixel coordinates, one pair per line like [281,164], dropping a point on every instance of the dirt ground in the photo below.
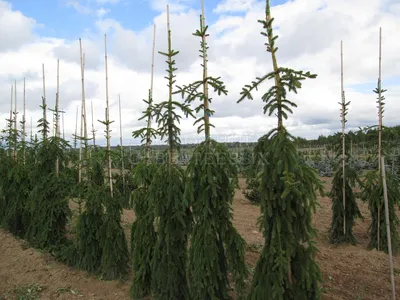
[349,272]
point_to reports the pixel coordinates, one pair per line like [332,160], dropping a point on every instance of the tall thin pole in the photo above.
[205,86]
[15,119]
[389,235]
[63,123]
[11,153]
[83,109]
[148,141]
[23,123]
[76,127]
[44,103]
[343,138]
[108,120]
[379,126]
[56,129]
[120,141]
[93,130]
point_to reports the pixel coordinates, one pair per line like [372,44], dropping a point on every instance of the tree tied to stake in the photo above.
[166,190]
[287,267]
[216,247]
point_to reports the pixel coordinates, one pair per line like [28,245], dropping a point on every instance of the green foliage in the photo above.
[166,191]
[115,255]
[287,267]
[143,235]
[169,260]
[372,193]
[48,204]
[91,220]
[216,246]
[337,234]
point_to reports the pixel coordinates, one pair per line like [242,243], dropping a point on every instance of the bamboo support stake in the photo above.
[56,129]
[44,102]
[83,109]
[343,139]
[380,125]
[151,93]
[11,153]
[171,150]
[389,235]
[93,130]
[76,127]
[23,122]
[205,75]
[108,119]
[15,119]
[63,123]
[122,147]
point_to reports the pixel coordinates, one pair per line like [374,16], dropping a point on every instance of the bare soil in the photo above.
[349,272]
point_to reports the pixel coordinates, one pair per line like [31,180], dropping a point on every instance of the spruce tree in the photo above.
[372,192]
[216,247]
[166,190]
[344,205]
[143,235]
[287,268]
[340,231]
[48,203]
[115,256]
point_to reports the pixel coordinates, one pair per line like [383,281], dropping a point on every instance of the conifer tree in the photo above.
[216,247]
[286,268]
[166,190]
[344,206]
[48,203]
[115,257]
[372,189]
[143,235]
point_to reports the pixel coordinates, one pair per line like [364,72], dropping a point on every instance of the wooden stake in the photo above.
[44,103]
[63,123]
[205,71]
[83,109]
[343,139]
[15,119]
[23,123]
[76,127]
[56,129]
[93,130]
[151,93]
[11,153]
[389,235]
[122,147]
[379,126]
[107,120]
[171,149]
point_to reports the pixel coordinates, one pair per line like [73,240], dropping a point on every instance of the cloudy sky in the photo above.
[310,31]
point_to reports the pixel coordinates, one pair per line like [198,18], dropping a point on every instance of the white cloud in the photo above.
[107,1]
[15,28]
[234,6]
[80,8]
[309,39]
[101,12]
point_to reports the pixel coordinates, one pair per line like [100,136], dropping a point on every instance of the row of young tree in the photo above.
[183,242]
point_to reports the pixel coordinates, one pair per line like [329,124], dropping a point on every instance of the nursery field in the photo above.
[349,272]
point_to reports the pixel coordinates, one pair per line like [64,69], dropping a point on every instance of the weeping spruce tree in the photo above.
[216,247]
[372,192]
[344,205]
[286,268]
[166,190]
[115,255]
[48,203]
[143,235]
